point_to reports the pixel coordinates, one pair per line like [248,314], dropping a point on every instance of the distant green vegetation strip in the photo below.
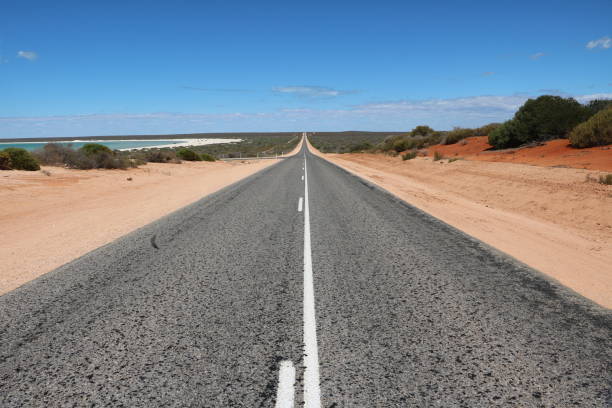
[538,120]
[252,145]
[98,156]
[347,142]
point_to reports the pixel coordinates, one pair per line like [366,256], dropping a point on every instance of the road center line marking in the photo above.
[302,178]
[312,388]
[285,393]
[300,204]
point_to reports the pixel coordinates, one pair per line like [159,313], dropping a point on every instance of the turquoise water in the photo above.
[111,144]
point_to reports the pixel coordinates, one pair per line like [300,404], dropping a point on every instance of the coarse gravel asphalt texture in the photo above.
[199,308]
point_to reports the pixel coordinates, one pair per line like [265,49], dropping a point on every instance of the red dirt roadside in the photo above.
[555,153]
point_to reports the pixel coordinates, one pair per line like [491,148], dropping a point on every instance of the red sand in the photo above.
[557,153]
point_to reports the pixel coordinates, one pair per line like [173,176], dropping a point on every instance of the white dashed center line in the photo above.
[300,204]
[285,393]
[312,388]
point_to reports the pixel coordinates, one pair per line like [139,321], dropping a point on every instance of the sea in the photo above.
[111,144]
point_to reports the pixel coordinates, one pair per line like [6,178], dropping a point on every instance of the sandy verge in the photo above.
[47,221]
[549,218]
[296,149]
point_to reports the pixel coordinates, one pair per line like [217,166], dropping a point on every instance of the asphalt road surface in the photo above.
[214,305]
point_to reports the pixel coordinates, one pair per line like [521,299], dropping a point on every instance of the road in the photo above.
[213,305]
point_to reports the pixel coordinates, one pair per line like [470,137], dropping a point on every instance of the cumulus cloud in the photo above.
[537,55]
[29,55]
[311,91]
[603,42]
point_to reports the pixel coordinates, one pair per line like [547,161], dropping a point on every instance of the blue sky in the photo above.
[143,67]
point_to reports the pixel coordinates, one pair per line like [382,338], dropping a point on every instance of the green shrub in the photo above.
[456,135]
[422,131]
[53,154]
[21,159]
[607,179]
[596,131]
[208,157]
[387,143]
[5,161]
[91,149]
[433,139]
[188,154]
[360,147]
[97,156]
[543,118]
[505,135]
[486,129]
[159,156]
[597,105]
[400,145]
[410,155]
[437,156]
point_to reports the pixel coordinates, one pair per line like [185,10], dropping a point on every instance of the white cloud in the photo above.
[587,98]
[474,105]
[311,91]
[537,55]
[603,42]
[29,55]
[399,115]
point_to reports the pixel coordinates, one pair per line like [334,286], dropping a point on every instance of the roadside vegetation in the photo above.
[607,179]
[539,120]
[409,155]
[14,158]
[597,131]
[346,142]
[551,117]
[98,156]
[90,156]
[252,145]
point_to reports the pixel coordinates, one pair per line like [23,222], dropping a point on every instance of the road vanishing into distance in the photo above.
[301,285]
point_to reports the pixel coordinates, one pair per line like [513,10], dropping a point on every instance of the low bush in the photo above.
[21,159]
[5,161]
[543,118]
[159,156]
[188,154]
[437,156]
[97,156]
[92,149]
[90,156]
[486,129]
[597,105]
[53,154]
[208,157]
[597,131]
[456,135]
[400,145]
[422,131]
[410,155]
[504,136]
[360,147]
[607,179]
